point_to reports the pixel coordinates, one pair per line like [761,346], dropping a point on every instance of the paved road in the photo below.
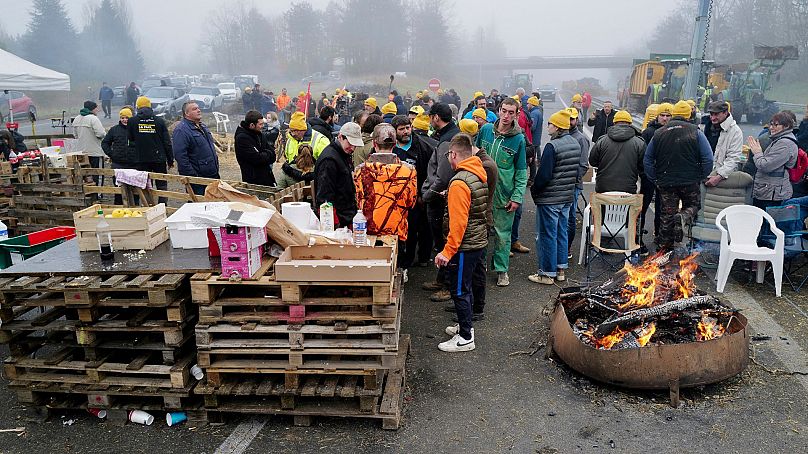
[500,398]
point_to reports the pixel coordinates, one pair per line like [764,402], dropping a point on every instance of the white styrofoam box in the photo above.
[186,233]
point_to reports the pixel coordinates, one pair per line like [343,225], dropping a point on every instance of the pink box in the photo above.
[242,264]
[242,239]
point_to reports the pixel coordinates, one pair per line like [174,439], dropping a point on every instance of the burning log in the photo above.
[639,315]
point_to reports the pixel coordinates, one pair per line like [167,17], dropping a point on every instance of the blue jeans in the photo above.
[552,222]
[572,217]
[466,273]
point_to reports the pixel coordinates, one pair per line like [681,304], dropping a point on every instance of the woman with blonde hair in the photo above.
[302,169]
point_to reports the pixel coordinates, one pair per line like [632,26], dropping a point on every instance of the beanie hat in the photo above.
[298,121]
[572,111]
[417,110]
[469,126]
[652,110]
[479,113]
[126,112]
[302,93]
[371,102]
[90,105]
[419,95]
[622,116]
[389,108]
[691,103]
[577,98]
[142,102]
[533,101]
[421,122]
[477,94]
[682,109]
[665,107]
[248,90]
[561,119]
[516,98]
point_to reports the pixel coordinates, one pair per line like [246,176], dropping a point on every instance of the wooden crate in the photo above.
[310,396]
[146,232]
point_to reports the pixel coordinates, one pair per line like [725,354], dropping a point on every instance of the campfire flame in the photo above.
[684,279]
[709,328]
[646,333]
[641,283]
[610,340]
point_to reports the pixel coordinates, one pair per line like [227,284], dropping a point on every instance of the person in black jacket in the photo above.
[647,188]
[333,174]
[152,142]
[415,150]
[118,148]
[252,153]
[324,124]
[601,120]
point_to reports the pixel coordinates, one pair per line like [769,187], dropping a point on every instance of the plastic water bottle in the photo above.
[104,236]
[360,229]
[3,231]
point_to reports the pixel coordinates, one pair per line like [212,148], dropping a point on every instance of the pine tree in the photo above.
[109,44]
[50,39]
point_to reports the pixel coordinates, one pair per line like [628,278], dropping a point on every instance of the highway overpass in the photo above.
[564,62]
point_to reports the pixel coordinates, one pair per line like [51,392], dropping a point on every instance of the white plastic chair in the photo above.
[221,121]
[739,241]
[614,224]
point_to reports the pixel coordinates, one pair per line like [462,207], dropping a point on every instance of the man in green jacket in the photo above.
[505,144]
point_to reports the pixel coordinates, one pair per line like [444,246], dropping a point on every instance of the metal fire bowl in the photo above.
[654,366]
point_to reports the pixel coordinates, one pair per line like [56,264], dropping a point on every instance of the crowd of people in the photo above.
[470,168]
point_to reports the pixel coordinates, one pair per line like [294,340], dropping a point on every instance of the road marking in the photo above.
[787,351]
[242,437]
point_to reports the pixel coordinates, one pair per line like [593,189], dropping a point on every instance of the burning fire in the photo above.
[641,282]
[709,328]
[687,271]
[646,333]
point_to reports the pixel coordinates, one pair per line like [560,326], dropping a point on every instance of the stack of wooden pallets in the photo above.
[304,349]
[117,342]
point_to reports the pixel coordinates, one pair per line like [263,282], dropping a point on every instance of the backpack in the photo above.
[796,173]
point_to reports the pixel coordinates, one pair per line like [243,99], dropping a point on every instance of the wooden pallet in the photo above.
[174,334]
[123,290]
[46,197]
[387,406]
[68,365]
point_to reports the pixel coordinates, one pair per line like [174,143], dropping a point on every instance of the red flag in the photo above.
[308,100]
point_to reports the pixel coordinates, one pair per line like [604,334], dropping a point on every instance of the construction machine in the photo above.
[661,78]
[511,83]
[746,90]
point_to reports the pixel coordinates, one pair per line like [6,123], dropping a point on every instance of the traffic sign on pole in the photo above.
[434,85]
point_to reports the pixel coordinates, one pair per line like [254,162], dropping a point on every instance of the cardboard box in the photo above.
[242,239]
[242,264]
[336,263]
[145,232]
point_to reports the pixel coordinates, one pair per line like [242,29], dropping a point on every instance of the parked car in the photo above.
[167,100]
[208,98]
[548,93]
[245,80]
[21,104]
[315,78]
[120,96]
[229,91]
[152,82]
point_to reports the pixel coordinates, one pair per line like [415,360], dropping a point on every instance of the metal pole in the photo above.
[697,49]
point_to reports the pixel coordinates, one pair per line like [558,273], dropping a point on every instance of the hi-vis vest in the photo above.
[317,141]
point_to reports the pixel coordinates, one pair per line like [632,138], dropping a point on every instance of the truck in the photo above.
[745,86]
[660,78]
[519,80]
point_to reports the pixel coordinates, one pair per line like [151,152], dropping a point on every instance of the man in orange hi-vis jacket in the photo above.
[466,240]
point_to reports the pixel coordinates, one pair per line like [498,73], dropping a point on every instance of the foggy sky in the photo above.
[170,30]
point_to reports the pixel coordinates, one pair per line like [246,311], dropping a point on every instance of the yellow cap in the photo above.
[421,122]
[248,90]
[516,98]
[440,91]
[479,113]
[577,98]
[125,112]
[371,102]
[622,116]
[477,94]
[652,110]
[691,103]
[419,95]
[682,109]
[418,110]
[572,111]
[389,108]
[665,107]
[561,119]
[298,121]
[142,102]
[533,101]
[469,126]
[302,93]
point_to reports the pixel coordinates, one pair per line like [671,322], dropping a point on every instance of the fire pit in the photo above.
[649,327]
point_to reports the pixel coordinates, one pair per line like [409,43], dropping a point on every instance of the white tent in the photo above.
[19,74]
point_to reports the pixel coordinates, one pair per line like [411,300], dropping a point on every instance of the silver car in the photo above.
[167,101]
[208,98]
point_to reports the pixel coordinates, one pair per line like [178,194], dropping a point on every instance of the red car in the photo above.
[22,105]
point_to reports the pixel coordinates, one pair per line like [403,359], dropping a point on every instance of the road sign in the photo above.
[434,85]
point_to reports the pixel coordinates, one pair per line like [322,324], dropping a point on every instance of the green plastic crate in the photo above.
[32,244]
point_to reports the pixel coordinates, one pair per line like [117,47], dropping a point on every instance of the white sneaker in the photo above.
[457,344]
[404,277]
[455,330]
[503,280]
[541,279]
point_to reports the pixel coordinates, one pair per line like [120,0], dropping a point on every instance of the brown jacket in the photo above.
[491,172]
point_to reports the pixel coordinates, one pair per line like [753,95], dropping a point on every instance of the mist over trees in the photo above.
[736,26]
